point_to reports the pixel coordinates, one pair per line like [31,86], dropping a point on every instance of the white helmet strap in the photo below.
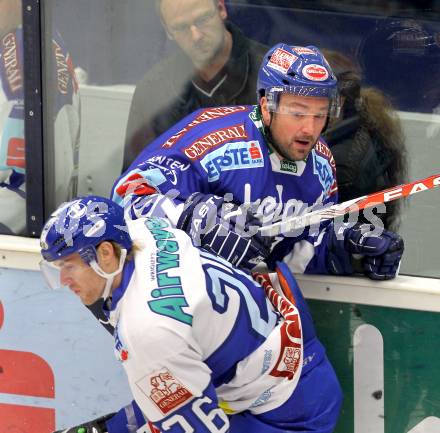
[109,277]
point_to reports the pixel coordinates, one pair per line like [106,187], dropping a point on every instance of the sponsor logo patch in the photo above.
[214,139]
[11,62]
[315,72]
[168,163]
[303,50]
[263,398]
[164,390]
[204,116]
[267,360]
[281,60]
[16,153]
[289,166]
[291,359]
[233,156]
[120,351]
[254,116]
[63,74]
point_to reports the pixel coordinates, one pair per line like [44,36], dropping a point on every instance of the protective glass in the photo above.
[201,23]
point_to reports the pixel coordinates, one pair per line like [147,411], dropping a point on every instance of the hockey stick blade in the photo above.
[315,217]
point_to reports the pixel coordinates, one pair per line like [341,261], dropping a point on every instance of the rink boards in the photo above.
[57,366]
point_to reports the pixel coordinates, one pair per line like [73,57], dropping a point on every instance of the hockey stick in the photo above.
[355,205]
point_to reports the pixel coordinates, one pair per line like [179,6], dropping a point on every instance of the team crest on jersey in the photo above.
[322,168]
[232,156]
[137,184]
[164,390]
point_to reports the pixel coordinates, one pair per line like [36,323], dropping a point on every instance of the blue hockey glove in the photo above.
[97,425]
[380,253]
[224,229]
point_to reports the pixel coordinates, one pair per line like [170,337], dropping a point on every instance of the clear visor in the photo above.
[52,273]
[60,272]
[303,109]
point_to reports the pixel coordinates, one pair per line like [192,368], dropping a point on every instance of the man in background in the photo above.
[216,65]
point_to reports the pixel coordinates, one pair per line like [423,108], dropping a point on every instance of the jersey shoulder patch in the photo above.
[322,149]
[324,167]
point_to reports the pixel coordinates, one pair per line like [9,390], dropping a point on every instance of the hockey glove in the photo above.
[224,229]
[97,425]
[379,253]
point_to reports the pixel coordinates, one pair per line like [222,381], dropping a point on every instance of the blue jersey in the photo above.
[224,150]
[206,348]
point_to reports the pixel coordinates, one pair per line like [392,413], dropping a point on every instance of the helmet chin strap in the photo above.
[109,277]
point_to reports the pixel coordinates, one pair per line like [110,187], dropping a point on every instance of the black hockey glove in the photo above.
[379,252]
[225,229]
[95,426]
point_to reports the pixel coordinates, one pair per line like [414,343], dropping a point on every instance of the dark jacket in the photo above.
[166,93]
[362,164]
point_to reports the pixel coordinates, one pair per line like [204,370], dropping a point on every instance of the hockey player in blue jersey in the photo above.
[265,163]
[206,347]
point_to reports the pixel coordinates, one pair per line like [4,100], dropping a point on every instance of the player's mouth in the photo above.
[301,144]
[303,141]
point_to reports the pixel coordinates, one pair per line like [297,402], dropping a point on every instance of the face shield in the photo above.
[273,96]
[59,273]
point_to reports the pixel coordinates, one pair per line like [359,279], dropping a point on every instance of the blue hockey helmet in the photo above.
[301,71]
[79,226]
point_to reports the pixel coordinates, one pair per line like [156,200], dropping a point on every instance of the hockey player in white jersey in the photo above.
[206,348]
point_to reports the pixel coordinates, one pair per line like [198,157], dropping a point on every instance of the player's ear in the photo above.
[265,111]
[106,255]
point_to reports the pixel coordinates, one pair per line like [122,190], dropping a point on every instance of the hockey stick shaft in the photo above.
[355,205]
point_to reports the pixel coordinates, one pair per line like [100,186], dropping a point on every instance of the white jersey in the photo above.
[195,334]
